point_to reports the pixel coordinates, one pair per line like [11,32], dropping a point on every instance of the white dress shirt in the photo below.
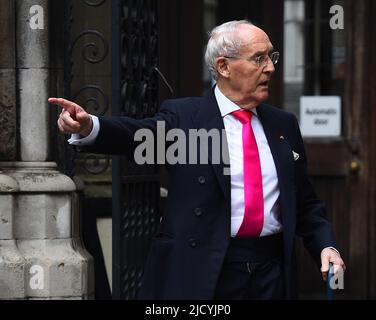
[234,129]
[76,139]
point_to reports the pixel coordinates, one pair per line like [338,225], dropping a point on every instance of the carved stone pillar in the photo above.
[41,254]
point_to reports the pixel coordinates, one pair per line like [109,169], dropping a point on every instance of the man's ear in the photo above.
[223,67]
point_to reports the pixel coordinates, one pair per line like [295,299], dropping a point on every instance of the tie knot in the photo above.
[244,116]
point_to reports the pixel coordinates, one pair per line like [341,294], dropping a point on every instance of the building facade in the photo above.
[123,57]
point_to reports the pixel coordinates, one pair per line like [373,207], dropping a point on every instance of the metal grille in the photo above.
[135,94]
[86,56]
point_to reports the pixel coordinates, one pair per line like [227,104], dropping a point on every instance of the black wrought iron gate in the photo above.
[130,59]
[135,94]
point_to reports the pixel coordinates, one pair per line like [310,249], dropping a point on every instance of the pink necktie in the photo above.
[253,220]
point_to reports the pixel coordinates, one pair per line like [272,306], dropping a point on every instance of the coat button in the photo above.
[201,180]
[198,212]
[193,243]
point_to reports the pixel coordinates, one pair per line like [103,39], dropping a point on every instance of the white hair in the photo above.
[223,41]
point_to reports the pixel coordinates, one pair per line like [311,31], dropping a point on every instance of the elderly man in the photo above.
[226,236]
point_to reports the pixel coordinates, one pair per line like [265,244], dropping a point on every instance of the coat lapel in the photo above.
[284,162]
[209,117]
[278,143]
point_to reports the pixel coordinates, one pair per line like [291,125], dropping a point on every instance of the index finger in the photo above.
[65,104]
[325,265]
[325,268]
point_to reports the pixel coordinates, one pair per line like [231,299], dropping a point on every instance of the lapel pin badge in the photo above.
[296,155]
[282,137]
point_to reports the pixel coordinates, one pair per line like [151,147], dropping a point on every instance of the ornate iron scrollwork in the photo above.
[135,41]
[135,76]
[90,50]
[96,165]
[92,104]
[93,3]
[94,49]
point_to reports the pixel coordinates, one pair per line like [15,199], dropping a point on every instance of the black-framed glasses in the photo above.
[262,60]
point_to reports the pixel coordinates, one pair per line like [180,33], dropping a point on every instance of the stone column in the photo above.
[12,264]
[33,78]
[41,254]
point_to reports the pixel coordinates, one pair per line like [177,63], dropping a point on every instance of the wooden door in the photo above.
[342,168]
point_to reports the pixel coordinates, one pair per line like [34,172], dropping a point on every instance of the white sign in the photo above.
[320,116]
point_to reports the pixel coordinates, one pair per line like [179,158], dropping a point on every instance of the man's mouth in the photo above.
[264,83]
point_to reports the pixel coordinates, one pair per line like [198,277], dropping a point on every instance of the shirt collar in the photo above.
[226,106]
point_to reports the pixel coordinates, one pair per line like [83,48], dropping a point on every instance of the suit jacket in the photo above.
[187,253]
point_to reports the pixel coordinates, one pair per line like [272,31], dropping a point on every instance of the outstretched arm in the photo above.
[113,135]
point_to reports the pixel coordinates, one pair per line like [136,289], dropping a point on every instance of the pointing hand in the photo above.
[73,118]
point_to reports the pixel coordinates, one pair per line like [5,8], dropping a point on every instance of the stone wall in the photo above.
[8,113]
[41,253]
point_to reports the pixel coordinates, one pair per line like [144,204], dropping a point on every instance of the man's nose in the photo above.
[269,67]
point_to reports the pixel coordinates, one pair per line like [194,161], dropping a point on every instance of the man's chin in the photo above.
[264,95]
